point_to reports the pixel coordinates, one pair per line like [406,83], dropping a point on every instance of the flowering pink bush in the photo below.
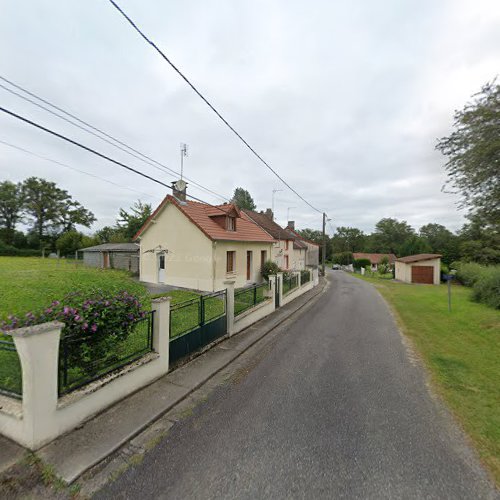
[93,326]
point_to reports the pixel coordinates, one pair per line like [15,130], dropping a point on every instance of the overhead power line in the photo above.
[96,131]
[205,100]
[97,153]
[56,162]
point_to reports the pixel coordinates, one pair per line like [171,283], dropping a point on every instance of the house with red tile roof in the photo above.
[194,245]
[289,252]
[312,249]
[375,258]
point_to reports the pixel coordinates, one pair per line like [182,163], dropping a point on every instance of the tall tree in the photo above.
[390,235]
[243,199]
[479,244]
[130,222]
[441,240]
[11,206]
[348,239]
[473,154]
[414,245]
[51,210]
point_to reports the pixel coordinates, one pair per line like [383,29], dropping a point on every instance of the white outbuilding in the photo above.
[421,268]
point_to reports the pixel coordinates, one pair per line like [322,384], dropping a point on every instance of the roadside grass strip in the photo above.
[461,349]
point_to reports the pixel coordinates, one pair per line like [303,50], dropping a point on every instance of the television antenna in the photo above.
[272,199]
[184,153]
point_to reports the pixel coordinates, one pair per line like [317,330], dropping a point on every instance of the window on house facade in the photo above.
[286,261]
[263,258]
[230,262]
[231,223]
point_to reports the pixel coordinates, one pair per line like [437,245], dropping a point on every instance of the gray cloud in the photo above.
[344,99]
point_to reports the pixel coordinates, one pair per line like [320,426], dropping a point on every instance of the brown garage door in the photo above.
[422,274]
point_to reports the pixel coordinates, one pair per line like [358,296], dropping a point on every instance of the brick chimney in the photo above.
[179,194]
[269,213]
[291,224]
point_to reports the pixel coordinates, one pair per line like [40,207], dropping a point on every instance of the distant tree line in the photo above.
[51,218]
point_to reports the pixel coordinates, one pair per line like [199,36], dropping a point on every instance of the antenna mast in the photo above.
[184,152]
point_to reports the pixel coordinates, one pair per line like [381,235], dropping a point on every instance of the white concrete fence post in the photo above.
[38,350]
[299,284]
[230,305]
[161,327]
[315,276]
[279,277]
[272,291]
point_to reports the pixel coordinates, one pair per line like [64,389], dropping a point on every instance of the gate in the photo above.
[277,292]
[197,322]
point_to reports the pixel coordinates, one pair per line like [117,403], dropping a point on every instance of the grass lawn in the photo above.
[461,349]
[32,283]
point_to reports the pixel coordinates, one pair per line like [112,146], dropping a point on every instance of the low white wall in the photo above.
[253,315]
[41,416]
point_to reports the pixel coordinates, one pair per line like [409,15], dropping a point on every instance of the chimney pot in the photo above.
[291,224]
[269,213]
[180,195]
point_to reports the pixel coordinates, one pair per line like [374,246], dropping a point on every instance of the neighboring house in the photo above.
[195,245]
[420,268]
[113,256]
[312,249]
[288,251]
[375,258]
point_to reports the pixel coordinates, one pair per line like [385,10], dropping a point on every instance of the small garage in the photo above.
[424,268]
[113,256]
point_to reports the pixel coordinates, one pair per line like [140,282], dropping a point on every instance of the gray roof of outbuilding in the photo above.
[112,247]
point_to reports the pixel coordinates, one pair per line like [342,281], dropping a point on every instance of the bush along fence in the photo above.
[70,362]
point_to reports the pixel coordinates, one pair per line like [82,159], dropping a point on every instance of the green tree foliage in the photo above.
[110,234]
[473,155]
[342,258]
[478,243]
[129,222]
[68,243]
[317,237]
[243,199]
[442,241]
[269,268]
[359,263]
[389,236]
[414,245]
[11,207]
[348,239]
[52,210]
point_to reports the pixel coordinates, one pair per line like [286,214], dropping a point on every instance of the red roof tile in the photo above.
[418,257]
[374,258]
[201,215]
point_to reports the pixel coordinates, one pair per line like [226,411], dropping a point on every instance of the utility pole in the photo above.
[324,245]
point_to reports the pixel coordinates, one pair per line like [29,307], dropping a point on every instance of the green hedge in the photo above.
[484,280]
[10,251]
[487,288]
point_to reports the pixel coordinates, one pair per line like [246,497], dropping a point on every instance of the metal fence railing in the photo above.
[247,298]
[305,276]
[84,359]
[11,383]
[290,281]
[191,314]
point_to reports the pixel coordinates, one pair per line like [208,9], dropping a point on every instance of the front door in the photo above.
[105,260]
[161,268]
[249,265]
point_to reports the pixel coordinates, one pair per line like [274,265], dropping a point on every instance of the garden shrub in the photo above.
[486,289]
[468,272]
[97,324]
[270,268]
[10,251]
[359,263]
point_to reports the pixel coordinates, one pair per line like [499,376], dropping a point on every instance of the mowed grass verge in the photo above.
[461,350]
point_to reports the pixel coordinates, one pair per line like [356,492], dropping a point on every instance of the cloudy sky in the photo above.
[345,99]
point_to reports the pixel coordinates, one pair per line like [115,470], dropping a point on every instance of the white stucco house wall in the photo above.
[420,268]
[194,245]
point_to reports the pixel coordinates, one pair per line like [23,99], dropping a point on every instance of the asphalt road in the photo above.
[337,407]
